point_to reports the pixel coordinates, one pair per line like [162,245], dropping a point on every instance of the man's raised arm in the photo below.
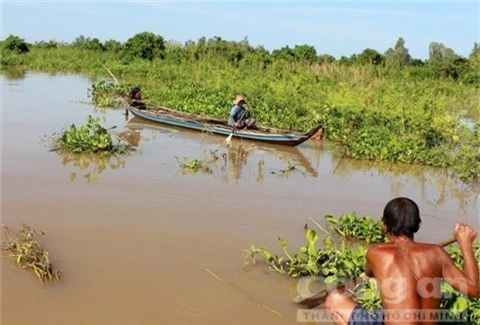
[467,282]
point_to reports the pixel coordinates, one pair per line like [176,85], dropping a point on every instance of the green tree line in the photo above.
[442,61]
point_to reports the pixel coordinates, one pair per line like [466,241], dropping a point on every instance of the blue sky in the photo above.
[332,27]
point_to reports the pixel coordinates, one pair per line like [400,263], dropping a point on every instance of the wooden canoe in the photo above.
[136,124]
[218,126]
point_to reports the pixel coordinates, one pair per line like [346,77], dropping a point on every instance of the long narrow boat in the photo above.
[218,126]
[136,124]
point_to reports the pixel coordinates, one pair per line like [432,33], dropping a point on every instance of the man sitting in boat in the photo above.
[135,96]
[409,273]
[135,93]
[240,115]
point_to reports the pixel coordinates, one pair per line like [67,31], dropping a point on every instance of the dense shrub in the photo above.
[144,45]
[15,44]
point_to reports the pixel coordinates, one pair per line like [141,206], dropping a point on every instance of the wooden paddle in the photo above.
[312,298]
[228,140]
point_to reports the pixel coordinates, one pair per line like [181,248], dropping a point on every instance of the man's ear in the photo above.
[384,227]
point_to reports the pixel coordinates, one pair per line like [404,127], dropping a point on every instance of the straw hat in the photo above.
[239,99]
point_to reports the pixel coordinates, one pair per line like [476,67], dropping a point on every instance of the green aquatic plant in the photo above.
[107,94]
[354,227]
[289,168]
[194,165]
[330,261]
[460,306]
[25,251]
[340,263]
[415,138]
[367,294]
[91,137]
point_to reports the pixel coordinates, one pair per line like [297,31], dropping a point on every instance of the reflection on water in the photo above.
[14,74]
[260,175]
[131,136]
[90,166]
[245,158]
[436,185]
[236,157]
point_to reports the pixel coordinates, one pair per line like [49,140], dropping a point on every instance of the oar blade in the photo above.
[228,140]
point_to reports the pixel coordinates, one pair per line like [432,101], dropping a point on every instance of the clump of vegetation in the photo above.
[461,307]
[194,165]
[90,138]
[332,261]
[13,50]
[25,251]
[339,263]
[354,227]
[288,169]
[107,94]
[407,137]
[145,46]
[14,44]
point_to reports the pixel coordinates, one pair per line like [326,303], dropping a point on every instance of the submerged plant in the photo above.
[25,251]
[288,169]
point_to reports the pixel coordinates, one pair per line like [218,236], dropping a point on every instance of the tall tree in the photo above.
[438,54]
[80,40]
[94,45]
[305,52]
[474,58]
[144,45]
[370,56]
[112,45]
[445,61]
[398,56]
[285,53]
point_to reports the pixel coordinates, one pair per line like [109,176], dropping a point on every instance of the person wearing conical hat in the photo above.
[240,114]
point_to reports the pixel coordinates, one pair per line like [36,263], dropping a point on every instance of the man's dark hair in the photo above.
[401,217]
[133,92]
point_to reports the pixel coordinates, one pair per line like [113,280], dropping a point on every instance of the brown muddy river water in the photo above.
[139,241]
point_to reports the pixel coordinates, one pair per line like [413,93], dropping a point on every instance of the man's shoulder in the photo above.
[381,246]
[427,247]
[380,249]
[385,248]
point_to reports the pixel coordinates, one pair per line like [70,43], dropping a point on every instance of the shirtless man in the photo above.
[409,273]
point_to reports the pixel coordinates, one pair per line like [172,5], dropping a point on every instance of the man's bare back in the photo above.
[409,273]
